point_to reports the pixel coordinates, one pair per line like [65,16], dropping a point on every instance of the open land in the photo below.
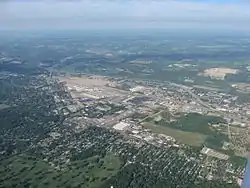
[3,106]
[219,73]
[190,138]
[242,87]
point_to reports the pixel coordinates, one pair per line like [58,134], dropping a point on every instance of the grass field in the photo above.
[190,138]
[3,106]
[27,171]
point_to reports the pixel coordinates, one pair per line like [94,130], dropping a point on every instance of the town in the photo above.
[139,122]
[101,113]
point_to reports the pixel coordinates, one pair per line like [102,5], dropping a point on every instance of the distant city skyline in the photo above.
[86,14]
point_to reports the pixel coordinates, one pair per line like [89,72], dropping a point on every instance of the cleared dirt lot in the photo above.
[219,73]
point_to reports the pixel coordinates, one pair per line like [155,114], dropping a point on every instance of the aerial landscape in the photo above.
[156,108]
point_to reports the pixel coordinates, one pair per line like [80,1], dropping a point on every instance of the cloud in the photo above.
[126,13]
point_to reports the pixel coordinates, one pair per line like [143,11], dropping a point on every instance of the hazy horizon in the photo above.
[187,14]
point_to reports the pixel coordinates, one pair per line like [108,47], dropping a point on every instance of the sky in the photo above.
[119,14]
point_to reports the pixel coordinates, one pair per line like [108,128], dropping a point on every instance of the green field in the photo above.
[190,138]
[192,129]
[194,122]
[27,171]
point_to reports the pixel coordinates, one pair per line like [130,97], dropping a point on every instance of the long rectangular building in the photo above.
[213,153]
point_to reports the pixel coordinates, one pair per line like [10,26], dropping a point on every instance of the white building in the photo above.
[121,126]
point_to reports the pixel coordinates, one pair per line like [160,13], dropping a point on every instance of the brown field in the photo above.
[242,87]
[219,73]
[193,139]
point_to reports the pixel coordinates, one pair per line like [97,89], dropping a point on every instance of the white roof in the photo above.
[120,126]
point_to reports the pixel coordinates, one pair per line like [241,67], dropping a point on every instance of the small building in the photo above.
[137,89]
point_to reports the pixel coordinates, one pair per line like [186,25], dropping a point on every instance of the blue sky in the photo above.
[88,14]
